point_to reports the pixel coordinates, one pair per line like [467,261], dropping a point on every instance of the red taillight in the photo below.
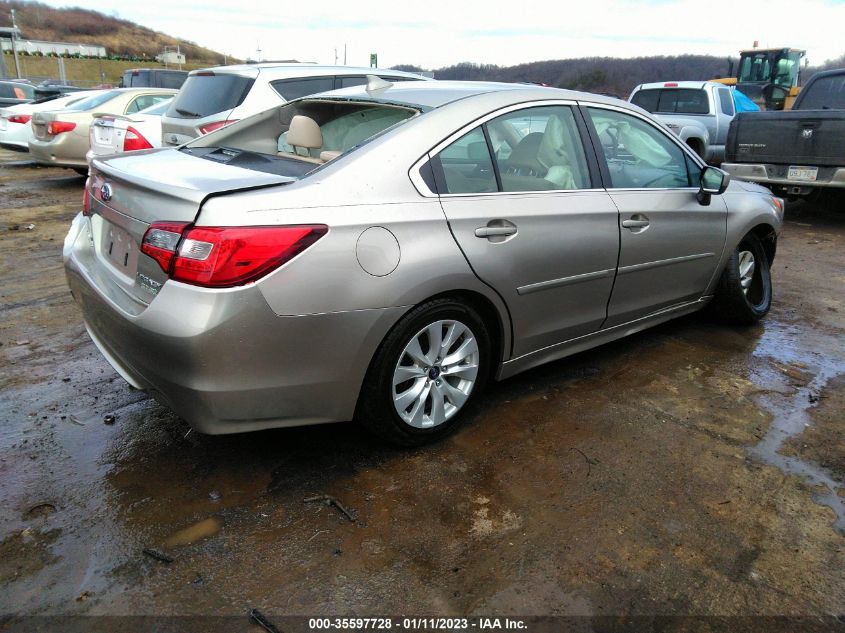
[86,197]
[222,257]
[134,140]
[160,242]
[210,127]
[671,84]
[59,127]
[20,118]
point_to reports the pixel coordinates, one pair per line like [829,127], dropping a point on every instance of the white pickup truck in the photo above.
[700,112]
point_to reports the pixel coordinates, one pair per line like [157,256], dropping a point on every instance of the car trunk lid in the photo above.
[127,193]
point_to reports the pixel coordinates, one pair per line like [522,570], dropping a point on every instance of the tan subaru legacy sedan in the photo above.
[60,137]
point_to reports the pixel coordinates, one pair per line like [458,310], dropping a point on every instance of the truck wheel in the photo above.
[428,371]
[744,293]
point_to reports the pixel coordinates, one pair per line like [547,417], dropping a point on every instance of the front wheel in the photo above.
[744,293]
[428,371]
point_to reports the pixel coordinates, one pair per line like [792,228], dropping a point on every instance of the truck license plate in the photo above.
[806,174]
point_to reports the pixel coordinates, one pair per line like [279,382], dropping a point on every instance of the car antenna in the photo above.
[375,84]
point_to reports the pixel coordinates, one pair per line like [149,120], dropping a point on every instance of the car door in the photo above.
[670,242]
[524,203]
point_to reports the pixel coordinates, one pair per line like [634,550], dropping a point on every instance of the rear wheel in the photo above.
[744,293]
[426,374]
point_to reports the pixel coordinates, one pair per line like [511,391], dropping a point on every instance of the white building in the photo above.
[57,48]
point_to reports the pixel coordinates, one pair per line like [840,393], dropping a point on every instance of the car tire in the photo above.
[744,293]
[435,396]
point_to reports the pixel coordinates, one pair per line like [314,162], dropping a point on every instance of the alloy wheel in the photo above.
[435,374]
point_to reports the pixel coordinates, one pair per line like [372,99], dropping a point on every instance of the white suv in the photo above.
[214,97]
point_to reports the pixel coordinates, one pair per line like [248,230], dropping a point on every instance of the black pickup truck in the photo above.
[793,152]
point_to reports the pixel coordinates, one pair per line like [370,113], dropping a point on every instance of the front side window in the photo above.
[638,155]
[539,149]
[466,165]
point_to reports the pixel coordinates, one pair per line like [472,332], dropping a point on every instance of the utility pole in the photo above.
[344,54]
[335,55]
[258,50]
[14,45]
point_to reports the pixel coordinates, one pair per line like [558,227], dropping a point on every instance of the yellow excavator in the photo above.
[767,76]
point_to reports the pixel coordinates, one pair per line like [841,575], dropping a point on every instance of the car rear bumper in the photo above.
[52,153]
[770,174]
[223,360]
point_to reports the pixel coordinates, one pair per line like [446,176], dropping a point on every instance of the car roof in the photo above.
[679,84]
[434,94]
[303,70]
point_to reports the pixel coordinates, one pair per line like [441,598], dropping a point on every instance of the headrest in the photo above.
[304,132]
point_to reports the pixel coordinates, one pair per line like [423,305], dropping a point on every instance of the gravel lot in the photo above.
[693,469]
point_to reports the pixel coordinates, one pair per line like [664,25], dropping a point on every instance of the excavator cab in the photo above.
[769,76]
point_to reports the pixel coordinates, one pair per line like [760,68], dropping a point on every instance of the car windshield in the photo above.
[94,101]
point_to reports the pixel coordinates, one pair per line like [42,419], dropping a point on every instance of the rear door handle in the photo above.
[495,231]
[637,221]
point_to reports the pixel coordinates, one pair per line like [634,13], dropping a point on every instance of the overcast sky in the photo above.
[436,33]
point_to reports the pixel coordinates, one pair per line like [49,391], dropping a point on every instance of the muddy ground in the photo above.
[693,469]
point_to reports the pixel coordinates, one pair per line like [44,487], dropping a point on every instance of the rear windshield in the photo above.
[139,78]
[204,95]
[673,100]
[15,90]
[825,93]
[299,137]
[95,101]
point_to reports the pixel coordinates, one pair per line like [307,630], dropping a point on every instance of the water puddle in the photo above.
[791,414]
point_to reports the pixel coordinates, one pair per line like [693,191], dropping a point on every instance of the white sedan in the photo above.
[15,128]
[115,134]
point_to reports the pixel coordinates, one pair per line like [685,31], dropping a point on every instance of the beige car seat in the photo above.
[305,133]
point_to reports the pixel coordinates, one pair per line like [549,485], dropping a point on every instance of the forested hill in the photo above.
[609,75]
[123,38]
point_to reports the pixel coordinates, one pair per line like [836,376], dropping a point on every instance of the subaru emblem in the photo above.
[105,192]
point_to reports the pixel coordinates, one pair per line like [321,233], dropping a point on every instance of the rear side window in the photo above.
[346,82]
[466,166]
[158,109]
[204,95]
[726,101]
[824,93]
[547,153]
[290,89]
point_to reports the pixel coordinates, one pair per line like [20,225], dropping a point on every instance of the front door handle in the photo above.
[636,223]
[495,231]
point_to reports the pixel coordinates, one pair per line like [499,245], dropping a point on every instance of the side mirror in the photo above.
[713,182]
